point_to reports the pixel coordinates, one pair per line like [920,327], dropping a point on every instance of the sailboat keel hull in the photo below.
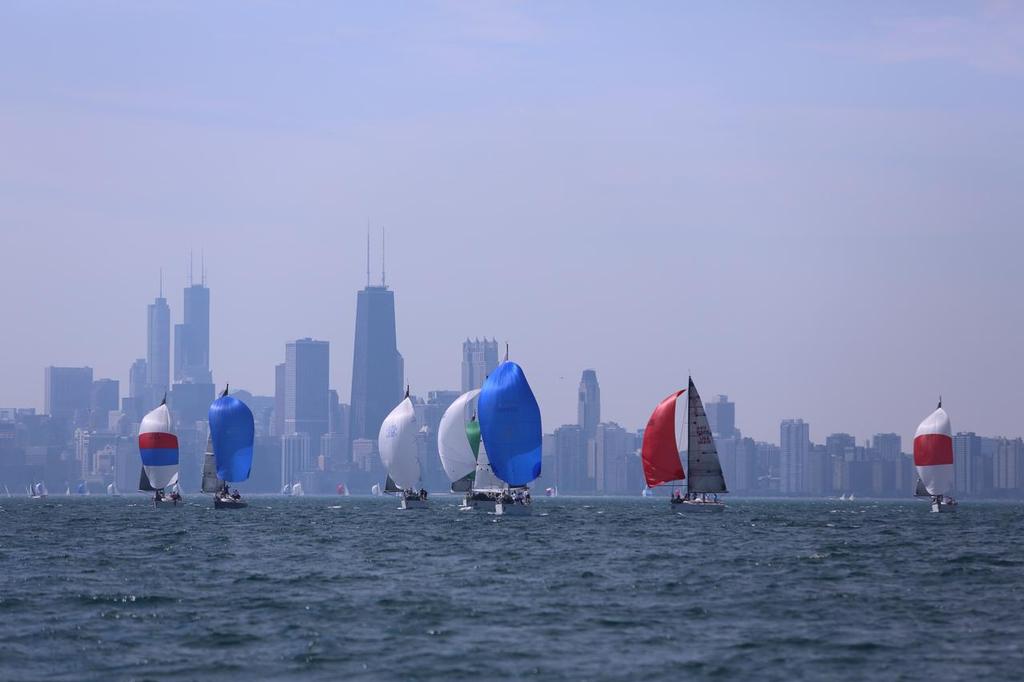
[512,509]
[219,503]
[697,507]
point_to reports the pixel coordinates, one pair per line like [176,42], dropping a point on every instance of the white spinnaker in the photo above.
[397,445]
[934,436]
[485,480]
[158,420]
[452,443]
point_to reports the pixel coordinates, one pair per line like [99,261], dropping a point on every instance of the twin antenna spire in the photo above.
[191,268]
[383,277]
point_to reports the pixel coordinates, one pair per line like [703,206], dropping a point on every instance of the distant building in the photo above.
[570,460]
[307,378]
[588,404]
[192,337]
[967,463]
[158,348]
[794,446]
[280,393]
[296,457]
[68,394]
[104,398]
[378,370]
[1008,465]
[479,358]
[887,445]
[722,417]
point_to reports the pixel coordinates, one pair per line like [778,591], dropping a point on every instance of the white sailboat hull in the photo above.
[168,502]
[697,506]
[412,503]
[512,509]
[470,504]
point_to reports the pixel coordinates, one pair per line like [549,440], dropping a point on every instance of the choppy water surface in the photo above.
[331,588]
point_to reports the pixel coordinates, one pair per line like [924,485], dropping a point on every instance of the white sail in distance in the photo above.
[457,456]
[397,445]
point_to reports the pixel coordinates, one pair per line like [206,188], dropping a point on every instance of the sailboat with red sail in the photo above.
[660,455]
[933,457]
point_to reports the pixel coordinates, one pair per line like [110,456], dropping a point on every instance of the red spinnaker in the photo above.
[659,453]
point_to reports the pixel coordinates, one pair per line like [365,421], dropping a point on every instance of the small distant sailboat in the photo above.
[38,491]
[551,491]
[458,444]
[286,489]
[510,428]
[646,492]
[397,445]
[660,455]
[158,449]
[341,489]
[112,487]
[297,490]
[232,435]
[375,490]
[81,488]
[67,491]
[933,457]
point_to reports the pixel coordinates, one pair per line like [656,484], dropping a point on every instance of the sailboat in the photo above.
[933,457]
[232,434]
[397,445]
[158,448]
[112,487]
[375,490]
[510,428]
[80,489]
[458,444]
[297,490]
[660,455]
[38,491]
[286,489]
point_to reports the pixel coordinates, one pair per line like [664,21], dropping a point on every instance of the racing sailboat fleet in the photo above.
[660,455]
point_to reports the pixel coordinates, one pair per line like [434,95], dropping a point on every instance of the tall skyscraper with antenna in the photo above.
[192,336]
[378,370]
[158,347]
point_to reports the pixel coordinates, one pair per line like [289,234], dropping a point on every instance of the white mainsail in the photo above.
[703,471]
[211,483]
[397,445]
[485,480]
[457,456]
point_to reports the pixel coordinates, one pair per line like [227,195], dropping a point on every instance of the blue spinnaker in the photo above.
[232,432]
[510,425]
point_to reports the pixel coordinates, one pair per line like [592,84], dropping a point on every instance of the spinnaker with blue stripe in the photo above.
[158,448]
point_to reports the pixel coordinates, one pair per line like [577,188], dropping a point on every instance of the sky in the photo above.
[815,208]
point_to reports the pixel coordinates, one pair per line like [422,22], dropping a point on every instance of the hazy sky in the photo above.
[814,207]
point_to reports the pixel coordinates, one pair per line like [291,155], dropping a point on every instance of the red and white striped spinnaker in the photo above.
[933,452]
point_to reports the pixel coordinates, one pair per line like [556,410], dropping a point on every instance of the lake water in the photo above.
[595,588]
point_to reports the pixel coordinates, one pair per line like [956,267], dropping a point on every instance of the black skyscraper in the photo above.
[377,367]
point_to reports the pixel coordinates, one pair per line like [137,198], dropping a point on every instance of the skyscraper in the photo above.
[307,372]
[158,347]
[192,337]
[378,371]
[588,406]
[68,393]
[722,417]
[479,358]
[794,445]
[104,397]
[280,391]
[966,458]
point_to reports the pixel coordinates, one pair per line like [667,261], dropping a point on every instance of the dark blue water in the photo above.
[333,588]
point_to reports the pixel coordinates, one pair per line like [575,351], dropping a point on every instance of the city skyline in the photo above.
[572,183]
